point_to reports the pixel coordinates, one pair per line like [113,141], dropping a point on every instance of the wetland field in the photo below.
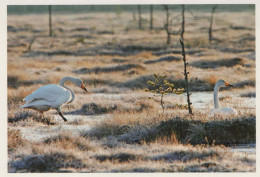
[118,126]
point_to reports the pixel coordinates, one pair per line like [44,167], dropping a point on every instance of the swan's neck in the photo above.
[216,101]
[62,81]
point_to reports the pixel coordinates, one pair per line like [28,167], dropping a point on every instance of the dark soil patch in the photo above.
[118,60]
[244,83]
[218,63]
[162,59]
[169,51]
[120,157]
[241,28]
[108,69]
[14,82]
[250,95]
[47,163]
[93,108]
[141,83]
[184,156]
[232,50]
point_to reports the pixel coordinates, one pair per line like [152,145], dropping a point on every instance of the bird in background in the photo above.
[218,111]
[52,96]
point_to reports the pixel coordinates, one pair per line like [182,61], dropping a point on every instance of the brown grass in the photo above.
[117,128]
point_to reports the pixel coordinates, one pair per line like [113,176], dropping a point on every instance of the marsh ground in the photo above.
[119,127]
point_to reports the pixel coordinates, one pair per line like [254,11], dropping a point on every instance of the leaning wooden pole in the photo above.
[186,75]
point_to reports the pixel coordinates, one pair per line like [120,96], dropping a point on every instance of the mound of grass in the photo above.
[15,140]
[120,157]
[14,82]
[67,141]
[93,108]
[35,116]
[249,94]
[162,59]
[234,131]
[108,69]
[244,83]
[119,60]
[141,83]
[170,51]
[233,50]
[185,155]
[49,162]
[218,63]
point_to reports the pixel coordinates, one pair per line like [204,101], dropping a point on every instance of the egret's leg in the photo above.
[60,113]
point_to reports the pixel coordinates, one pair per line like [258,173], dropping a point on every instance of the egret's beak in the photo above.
[83,87]
[228,85]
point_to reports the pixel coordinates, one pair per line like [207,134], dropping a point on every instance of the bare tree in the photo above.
[151,17]
[167,25]
[134,17]
[186,75]
[183,22]
[50,24]
[139,16]
[211,22]
[184,60]
[30,45]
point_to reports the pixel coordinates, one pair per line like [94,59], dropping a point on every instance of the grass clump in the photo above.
[67,141]
[233,131]
[15,140]
[48,162]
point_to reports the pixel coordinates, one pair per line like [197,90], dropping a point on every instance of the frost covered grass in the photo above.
[119,127]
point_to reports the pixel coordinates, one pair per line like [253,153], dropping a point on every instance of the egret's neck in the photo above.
[62,81]
[216,101]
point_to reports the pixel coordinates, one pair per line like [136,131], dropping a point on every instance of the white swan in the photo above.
[52,96]
[224,112]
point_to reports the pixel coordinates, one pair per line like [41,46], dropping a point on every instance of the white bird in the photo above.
[224,112]
[52,96]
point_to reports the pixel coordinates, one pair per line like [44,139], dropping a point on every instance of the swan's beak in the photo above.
[83,87]
[228,85]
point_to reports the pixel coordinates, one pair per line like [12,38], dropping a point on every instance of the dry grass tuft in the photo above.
[211,80]
[15,140]
[233,131]
[48,162]
[67,141]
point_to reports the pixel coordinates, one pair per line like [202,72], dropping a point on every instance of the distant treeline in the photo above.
[35,9]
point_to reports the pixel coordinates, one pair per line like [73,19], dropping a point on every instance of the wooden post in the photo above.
[139,16]
[50,24]
[167,25]
[211,22]
[186,75]
[151,17]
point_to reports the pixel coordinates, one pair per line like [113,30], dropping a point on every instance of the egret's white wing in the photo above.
[49,93]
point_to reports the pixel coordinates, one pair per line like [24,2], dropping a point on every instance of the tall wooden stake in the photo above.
[151,17]
[211,22]
[139,16]
[50,25]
